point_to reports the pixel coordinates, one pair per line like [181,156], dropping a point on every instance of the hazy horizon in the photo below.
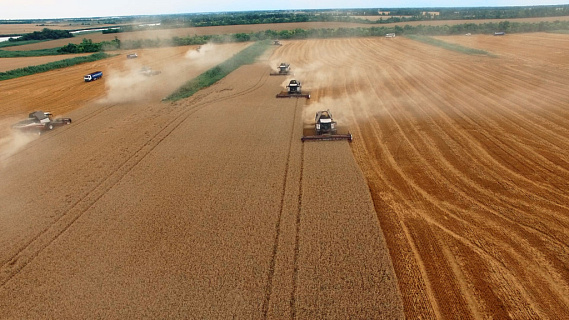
[52,9]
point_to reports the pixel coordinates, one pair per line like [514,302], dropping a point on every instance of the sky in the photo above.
[49,9]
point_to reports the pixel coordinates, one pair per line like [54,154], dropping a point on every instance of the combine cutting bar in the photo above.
[280,73]
[293,95]
[328,137]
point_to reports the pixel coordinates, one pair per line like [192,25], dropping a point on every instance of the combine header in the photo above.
[284,70]
[325,128]
[294,91]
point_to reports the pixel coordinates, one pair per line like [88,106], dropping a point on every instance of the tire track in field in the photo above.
[420,104]
[536,252]
[441,288]
[269,286]
[555,204]
[43,239]
[515,117]
[453,134]
[293,304]
[472,119]
[449,126]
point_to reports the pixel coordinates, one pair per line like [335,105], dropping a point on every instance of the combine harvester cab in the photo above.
[325,128]
[294,91]
[284,70]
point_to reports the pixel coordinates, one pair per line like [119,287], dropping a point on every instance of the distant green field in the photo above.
[5,44]
[447,45]
[51,66]
[206,79]
[29,53]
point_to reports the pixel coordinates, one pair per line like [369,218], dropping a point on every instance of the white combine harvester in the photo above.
[294,91]
[284,70]
[325,128]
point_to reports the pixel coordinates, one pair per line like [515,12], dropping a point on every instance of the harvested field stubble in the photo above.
[467,161]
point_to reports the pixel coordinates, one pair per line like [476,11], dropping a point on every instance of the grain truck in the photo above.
[93,76]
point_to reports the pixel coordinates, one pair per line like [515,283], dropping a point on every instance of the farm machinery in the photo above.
[284,70]
[293,91]
[39,121]
[325,128]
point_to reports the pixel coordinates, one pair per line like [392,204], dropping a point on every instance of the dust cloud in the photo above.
[13,142]
[132,85]
[335,81]
[327,87]
[345,109]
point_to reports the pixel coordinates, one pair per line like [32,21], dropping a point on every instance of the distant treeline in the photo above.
[87,45]
[472,28]
[486,28]
[375,31]
[387,15]
[45,34]
[356,16]
[483,28]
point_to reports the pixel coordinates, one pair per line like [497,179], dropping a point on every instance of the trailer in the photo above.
[93,76]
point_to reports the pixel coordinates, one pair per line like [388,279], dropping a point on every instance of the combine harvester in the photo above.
[325,128]
[294,91]
[39,122]
[284,70]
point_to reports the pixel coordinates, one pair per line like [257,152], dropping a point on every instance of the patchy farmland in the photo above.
[213,207]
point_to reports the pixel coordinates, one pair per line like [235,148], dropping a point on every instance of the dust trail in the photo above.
[131,84]
[14,142]
[125,86]
[343,108]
